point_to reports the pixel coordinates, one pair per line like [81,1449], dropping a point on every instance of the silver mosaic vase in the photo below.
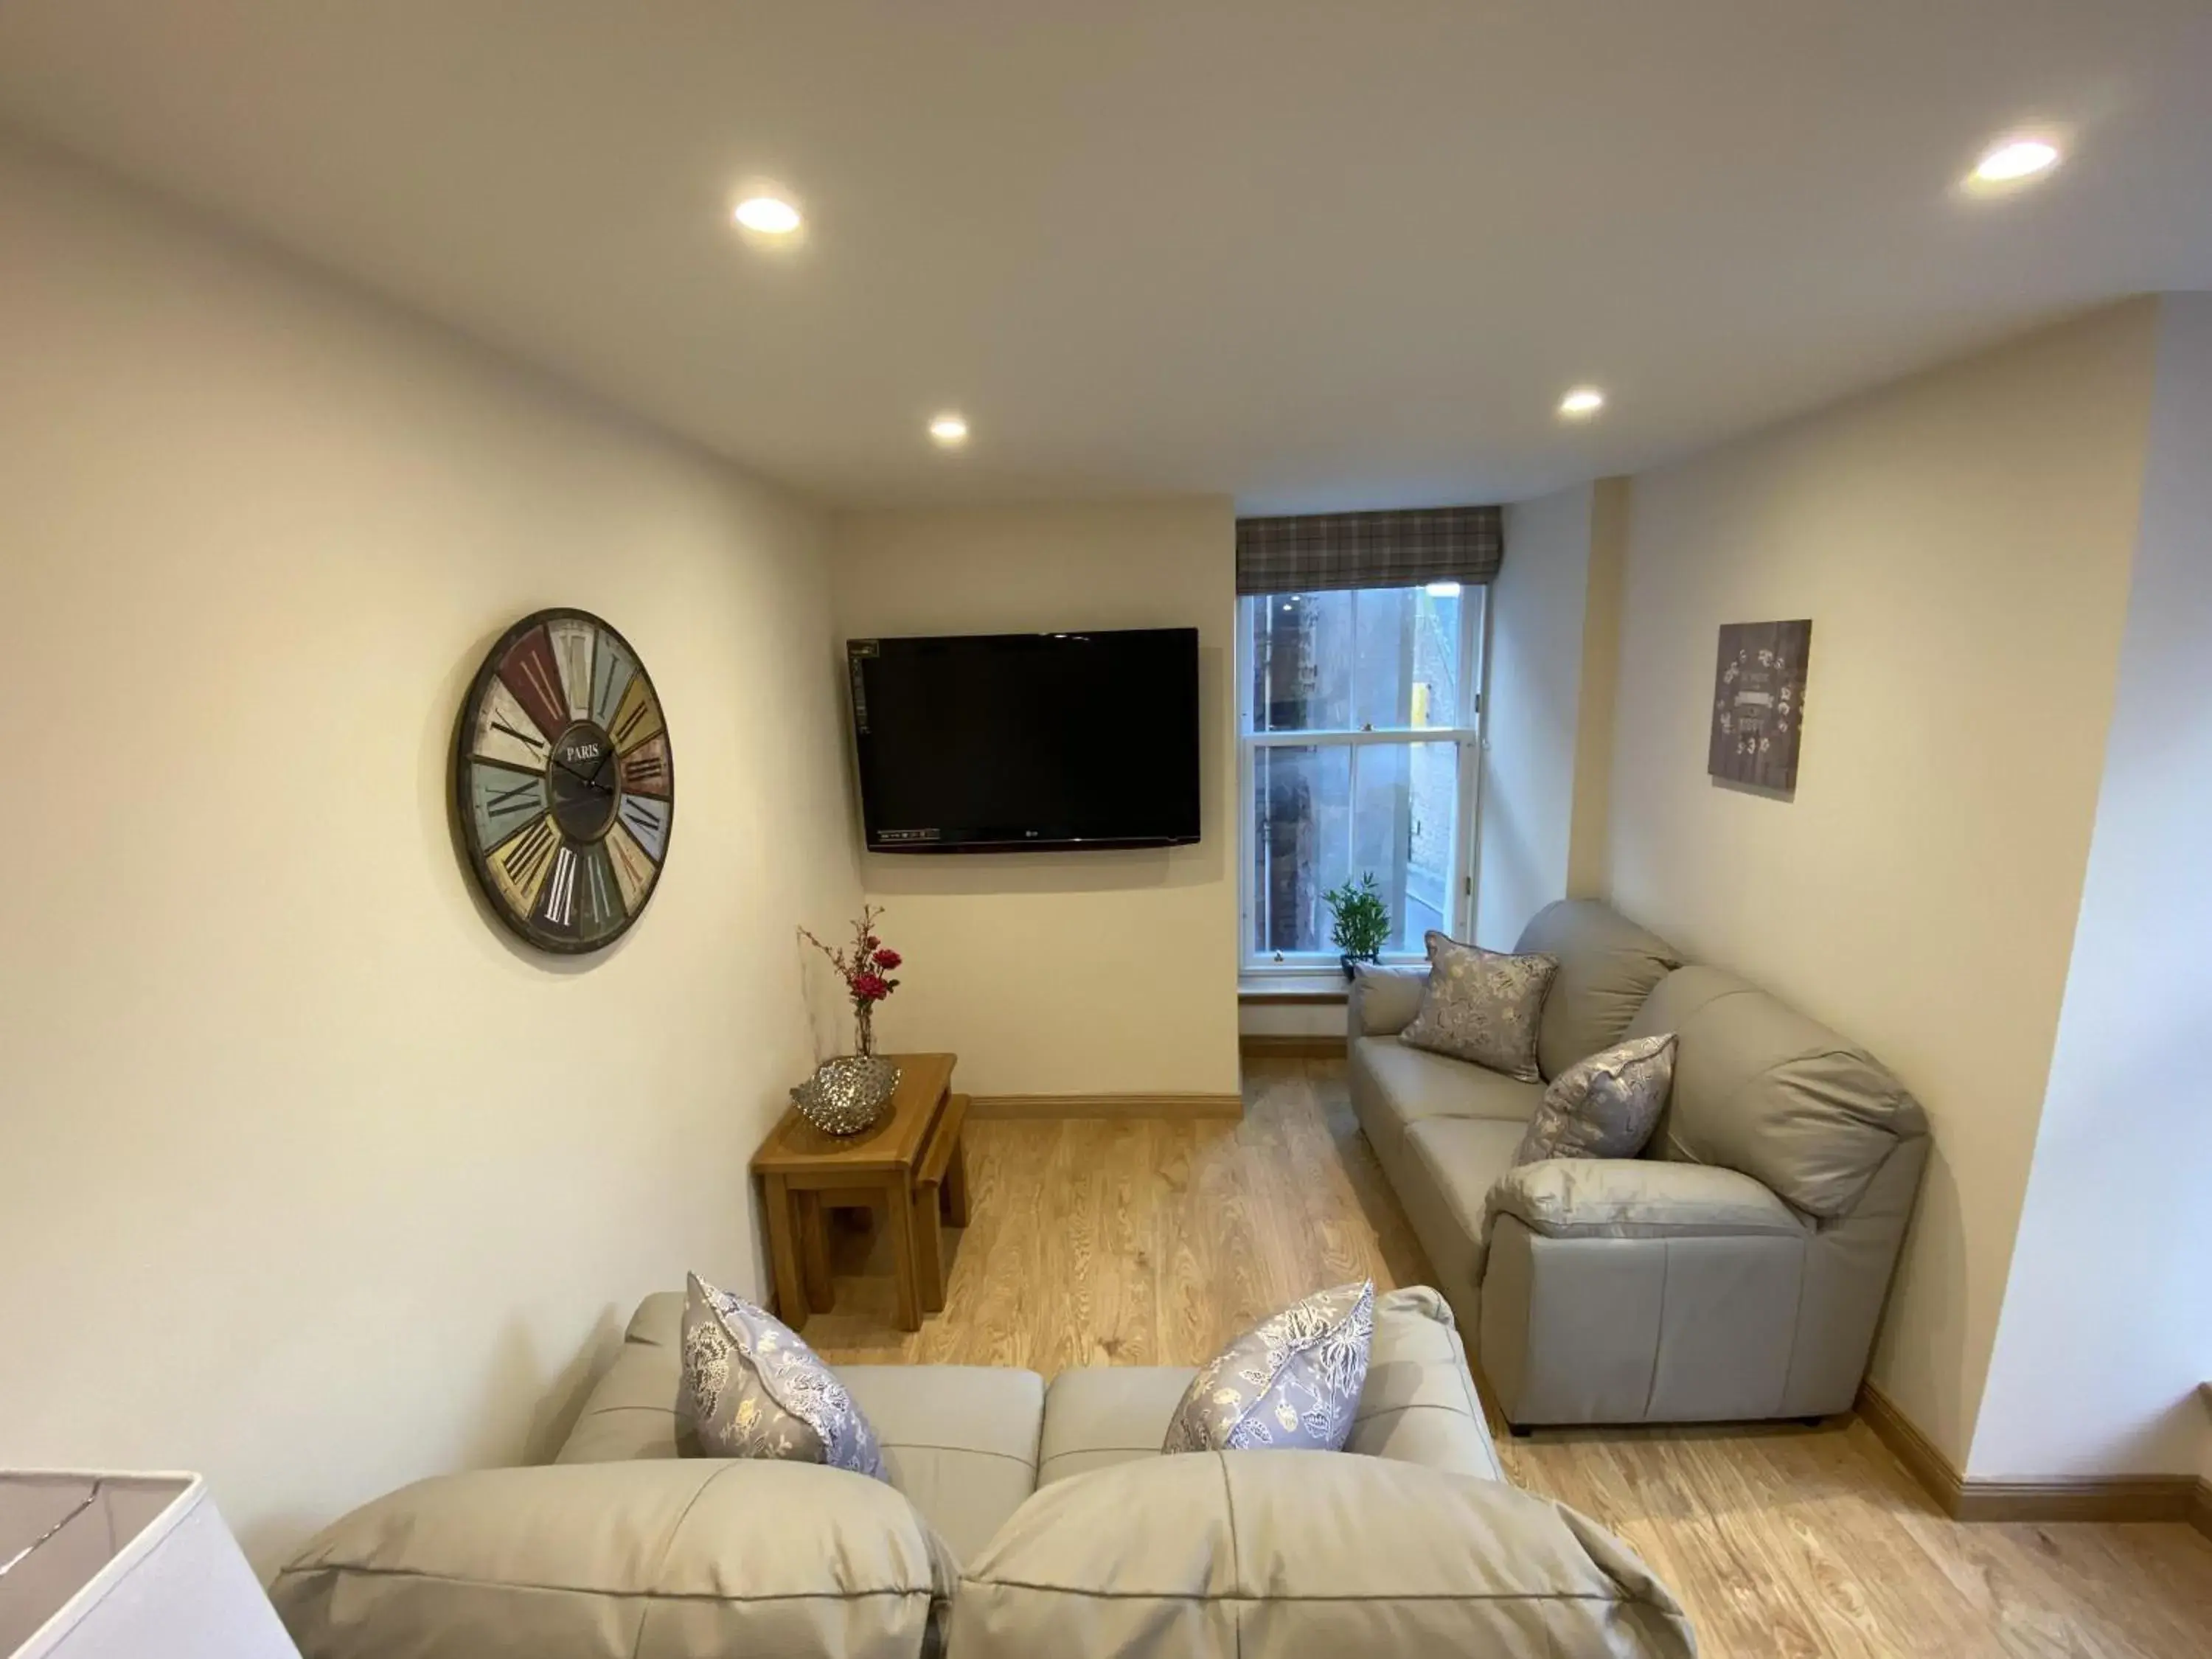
[848,1094]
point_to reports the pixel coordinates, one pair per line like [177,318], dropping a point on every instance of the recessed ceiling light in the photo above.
[948,431]
[2014,159]
[771,216]
[1582,403]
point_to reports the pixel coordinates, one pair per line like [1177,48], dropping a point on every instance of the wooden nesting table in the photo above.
[910,1167]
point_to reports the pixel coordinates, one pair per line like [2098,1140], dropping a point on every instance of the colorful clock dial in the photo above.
[564,782]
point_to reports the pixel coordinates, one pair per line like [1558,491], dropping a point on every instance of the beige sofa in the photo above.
[968,1443]
[1021,1519]
[1735,1271]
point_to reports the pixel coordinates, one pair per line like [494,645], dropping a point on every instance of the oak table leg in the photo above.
[813,1251]
[783,1252]
[956,1182]
[929,1248]
[899,1203]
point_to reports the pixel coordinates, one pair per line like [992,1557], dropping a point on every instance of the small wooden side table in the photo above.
[801,1169]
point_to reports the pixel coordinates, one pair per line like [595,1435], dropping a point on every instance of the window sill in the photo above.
[1278,989]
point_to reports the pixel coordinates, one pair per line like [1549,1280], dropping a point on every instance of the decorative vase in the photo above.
[848,1095]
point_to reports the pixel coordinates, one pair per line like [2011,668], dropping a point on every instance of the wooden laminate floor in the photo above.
[1142,1243]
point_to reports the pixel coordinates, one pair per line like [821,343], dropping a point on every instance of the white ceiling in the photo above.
[1312,254]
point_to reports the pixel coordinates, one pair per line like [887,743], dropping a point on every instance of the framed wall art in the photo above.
[1759,703]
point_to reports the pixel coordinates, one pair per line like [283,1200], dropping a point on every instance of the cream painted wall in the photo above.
[1962,542]
[1532,700]
[1593,799]
[2107,1324]
[312,1180]
[1064,973]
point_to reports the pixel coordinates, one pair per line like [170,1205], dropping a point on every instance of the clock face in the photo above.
[564,782]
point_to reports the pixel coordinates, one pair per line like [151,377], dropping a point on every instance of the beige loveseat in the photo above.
[1735,1270]
[1021,1519]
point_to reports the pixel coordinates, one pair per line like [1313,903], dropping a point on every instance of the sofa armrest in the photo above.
[1636,1198]
[1382,1001]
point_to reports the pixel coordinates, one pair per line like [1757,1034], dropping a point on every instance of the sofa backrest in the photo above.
[1760,1089]
[1608,967]
[1306,1555]
[637,1409]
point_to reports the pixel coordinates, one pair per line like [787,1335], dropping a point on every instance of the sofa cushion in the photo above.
[1382,1001]
[1482,1005]
[1462,1158]
[1290,1383]
[960,1440]
[1299,1555]
[754,1389]
[655,1559]
[1604,1105]
[1400,1086]
[1417,1406]
[1607,966]
[636,1409]
[1097,1415]
[1760,1087]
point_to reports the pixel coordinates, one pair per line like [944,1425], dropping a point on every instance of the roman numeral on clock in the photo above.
[560,890]
[505,802]
[645,768]
[520,865]
[536,746]
[602,908]
[646,819]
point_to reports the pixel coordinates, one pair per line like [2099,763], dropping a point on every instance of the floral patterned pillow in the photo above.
[755,1390]
[1605,1106]
[1483,1005]
[1291,1382]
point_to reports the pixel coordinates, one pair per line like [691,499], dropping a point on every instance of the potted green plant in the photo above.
[1362,924]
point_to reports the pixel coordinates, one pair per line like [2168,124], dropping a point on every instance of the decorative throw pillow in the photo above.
[1290,1382]
[1604,1106]
[755,1390]
[1483,1005]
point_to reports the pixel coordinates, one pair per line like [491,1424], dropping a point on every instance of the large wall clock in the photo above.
[564,782]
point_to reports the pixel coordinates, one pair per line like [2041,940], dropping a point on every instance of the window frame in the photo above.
[1466,734]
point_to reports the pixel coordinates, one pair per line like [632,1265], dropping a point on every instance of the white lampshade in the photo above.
[125,1566]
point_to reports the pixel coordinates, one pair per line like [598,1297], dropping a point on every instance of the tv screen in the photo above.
[997,741]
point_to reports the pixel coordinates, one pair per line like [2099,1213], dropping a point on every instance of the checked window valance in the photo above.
[1307,552]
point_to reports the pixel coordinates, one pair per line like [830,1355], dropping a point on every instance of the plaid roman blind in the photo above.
[1315,550]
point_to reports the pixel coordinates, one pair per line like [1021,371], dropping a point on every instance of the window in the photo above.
[1357,738]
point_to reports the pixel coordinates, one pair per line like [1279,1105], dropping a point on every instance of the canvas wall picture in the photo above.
[1759,703]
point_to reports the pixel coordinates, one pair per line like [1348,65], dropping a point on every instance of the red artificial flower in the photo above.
[869,987]
[888,960]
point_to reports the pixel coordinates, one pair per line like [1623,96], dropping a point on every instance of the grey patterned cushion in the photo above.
[755,1390]
[1604,1106]
[1483,1005]
[1292,1381]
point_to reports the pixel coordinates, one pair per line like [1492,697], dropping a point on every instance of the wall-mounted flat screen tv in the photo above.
[1007,742]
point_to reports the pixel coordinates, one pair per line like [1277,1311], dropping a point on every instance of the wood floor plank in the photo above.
[1138,1241]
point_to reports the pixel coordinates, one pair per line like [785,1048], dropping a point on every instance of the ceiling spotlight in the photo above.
[2014,159]
[948,431]
[771,216]
[1582,403]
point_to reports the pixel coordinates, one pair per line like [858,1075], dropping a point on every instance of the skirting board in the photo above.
[1167,1106]
[2063,1498]
[1291,1045]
